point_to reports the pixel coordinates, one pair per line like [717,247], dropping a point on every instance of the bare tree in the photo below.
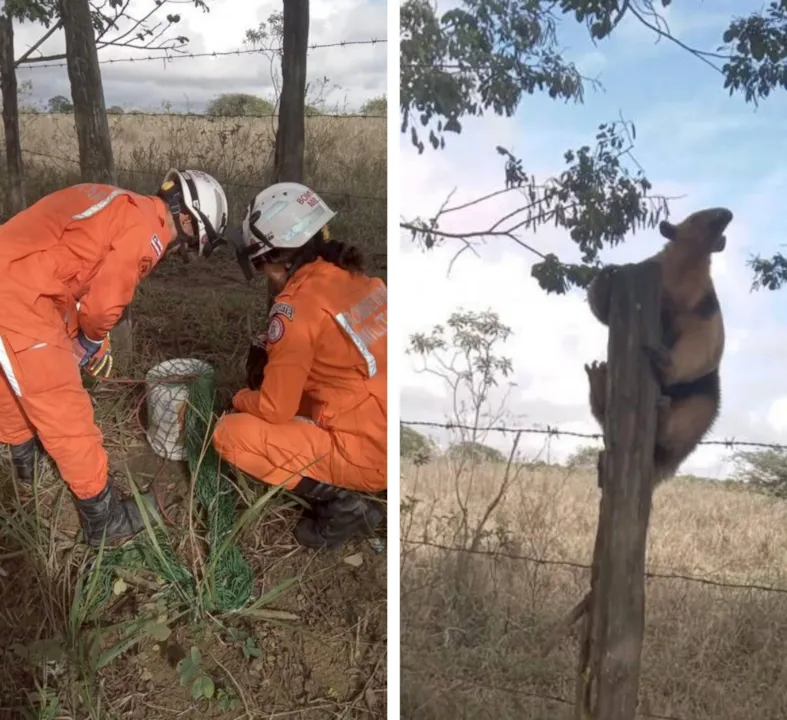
[113,23]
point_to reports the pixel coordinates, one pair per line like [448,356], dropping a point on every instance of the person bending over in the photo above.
[69,265]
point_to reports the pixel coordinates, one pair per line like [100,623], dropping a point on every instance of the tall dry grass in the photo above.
[473,626]
[345,158]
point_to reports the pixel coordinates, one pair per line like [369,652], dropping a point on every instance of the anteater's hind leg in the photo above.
[597,378]
[681,427]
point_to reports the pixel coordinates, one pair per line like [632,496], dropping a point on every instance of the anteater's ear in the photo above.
[668,230]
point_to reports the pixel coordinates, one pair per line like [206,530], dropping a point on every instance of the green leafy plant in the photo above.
[193,676]
[247,642]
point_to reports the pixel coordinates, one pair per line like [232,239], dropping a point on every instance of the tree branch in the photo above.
[48,34]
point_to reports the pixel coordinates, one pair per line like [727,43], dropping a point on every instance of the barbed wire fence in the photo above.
[499,553]
[49,141]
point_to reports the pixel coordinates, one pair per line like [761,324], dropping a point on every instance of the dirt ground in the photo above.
[321,654]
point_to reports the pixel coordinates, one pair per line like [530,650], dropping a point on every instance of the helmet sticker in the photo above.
[275,329]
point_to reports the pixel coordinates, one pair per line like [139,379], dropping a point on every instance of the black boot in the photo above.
[338,515]
[28,458]
[121,517]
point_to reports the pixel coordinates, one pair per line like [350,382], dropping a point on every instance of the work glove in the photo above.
[256,360]
[95,358]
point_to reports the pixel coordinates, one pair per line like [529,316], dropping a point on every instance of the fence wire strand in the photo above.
[33,64]
[557,432]
[513,690]
[573,565]
[205,116]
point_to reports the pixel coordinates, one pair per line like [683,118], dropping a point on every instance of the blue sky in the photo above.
[693,139]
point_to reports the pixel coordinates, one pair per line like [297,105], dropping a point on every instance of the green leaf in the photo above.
[158,631]
[203,687]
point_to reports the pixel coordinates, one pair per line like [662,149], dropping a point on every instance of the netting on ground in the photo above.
[229,578]
[232,577]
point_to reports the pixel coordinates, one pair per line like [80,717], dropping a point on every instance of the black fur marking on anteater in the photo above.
[687,363]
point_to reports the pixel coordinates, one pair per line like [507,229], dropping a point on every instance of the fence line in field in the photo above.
[568,564]
[501,554]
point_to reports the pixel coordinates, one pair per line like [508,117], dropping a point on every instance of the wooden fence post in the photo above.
[13,143]
[614,625]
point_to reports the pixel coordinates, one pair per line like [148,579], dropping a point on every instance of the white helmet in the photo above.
[283,216]
[203,198]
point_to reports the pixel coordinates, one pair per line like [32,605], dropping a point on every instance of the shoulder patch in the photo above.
[280,308]
[155,243]
[145,264]
[275,329]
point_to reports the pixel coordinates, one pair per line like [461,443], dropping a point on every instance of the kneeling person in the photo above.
[317,424]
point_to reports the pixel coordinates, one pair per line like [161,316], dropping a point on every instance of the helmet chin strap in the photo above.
[171,195]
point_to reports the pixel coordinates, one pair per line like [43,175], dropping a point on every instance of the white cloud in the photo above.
[359,71]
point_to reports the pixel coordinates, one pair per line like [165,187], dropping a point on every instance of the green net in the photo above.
[228,577]
[232,578]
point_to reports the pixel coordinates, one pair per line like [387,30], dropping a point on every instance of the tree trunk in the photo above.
[13,142]
[96,161]
[288,159]
[292,105]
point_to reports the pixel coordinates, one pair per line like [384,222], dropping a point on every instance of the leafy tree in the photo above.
[229,104]
[414,445]
[764,470]
[465,355]
[60,104]
[584,458]
[115,110]
[375,106]
[487,55]
[476,452]
[268,37]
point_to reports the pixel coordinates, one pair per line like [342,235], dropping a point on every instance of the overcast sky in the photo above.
[693,140]
[359,71]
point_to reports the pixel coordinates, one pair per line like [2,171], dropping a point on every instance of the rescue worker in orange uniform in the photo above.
[318,423]
[69,265]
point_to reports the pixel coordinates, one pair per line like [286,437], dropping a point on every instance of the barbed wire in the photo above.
[520,692]
[557,432]
[205,116]
[32,64]
[247,186]
[573,565]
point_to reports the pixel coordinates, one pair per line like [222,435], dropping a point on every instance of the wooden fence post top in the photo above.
[626,478]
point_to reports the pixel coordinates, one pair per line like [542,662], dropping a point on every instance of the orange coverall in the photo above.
[87,243]
[322,408]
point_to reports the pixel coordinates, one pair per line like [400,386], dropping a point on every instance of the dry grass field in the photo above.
[318,647]
[473,625]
